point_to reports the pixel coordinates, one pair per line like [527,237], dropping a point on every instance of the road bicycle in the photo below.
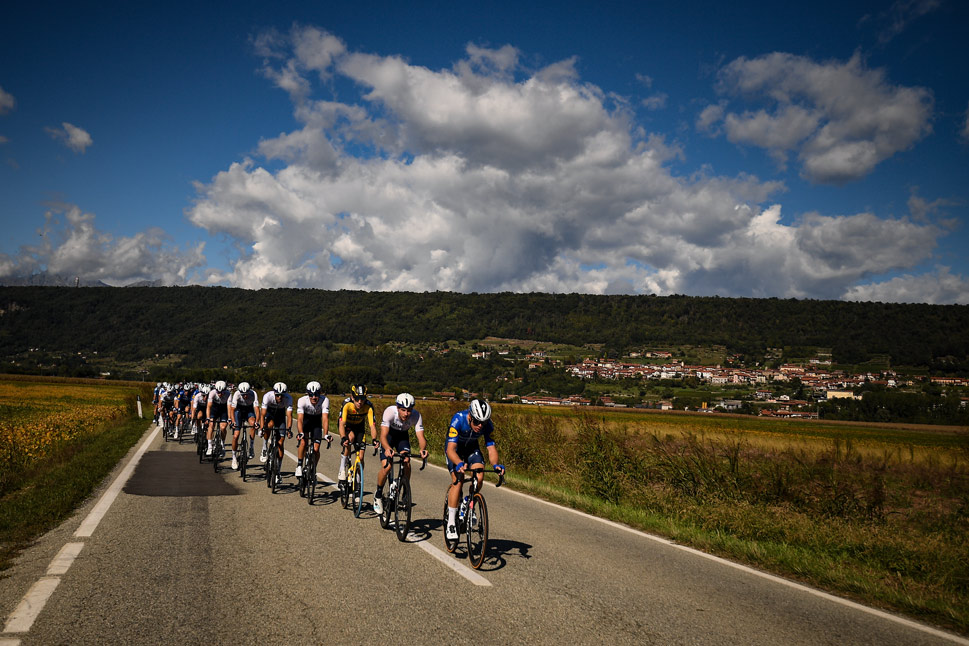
[472,520]
[168,424]
[307,481]
[184,427]
[273,461]
[396,500]
[218,445]
[351,490]
[243,447]
[200,440]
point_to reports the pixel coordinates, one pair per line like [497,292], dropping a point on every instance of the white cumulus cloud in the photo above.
[840,118]
[486,176]
[77,139]
[7,102]
[70,244]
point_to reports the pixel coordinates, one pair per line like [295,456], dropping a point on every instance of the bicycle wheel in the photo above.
[385,510]
[302,480]
[244,458]
[451,545]
[477,523]
[358,490]
[276,468]
[402,509]
[216,449]
[309,475]
[270,463]
[345,493]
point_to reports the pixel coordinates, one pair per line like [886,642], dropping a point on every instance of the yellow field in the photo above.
[39,417]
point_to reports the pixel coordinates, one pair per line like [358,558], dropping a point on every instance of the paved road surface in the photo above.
[184,556]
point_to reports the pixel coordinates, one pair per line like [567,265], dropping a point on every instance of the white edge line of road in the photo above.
[107,498]
[468,573]
[915,625]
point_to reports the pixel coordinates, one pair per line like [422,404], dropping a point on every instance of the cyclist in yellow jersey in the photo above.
[355,416]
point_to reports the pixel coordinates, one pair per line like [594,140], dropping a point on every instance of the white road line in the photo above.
[749,570]
[22,618]
[62,562]
[91,522]
[448,560]
[9,642]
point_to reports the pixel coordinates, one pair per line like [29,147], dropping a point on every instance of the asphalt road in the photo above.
[185,556]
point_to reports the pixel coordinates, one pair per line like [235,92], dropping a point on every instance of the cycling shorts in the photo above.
[397,441]
[220,413]
[470,454]
[242,414]
[276,417]
[313,427]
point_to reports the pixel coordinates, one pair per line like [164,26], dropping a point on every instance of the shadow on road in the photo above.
[499,550]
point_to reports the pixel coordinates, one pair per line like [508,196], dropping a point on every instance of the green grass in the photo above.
[50,494]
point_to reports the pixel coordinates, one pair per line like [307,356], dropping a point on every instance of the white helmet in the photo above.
[219,386]
[206,389]
[279,388]
[405,400]
[244,387]
[313,388]
[480,410]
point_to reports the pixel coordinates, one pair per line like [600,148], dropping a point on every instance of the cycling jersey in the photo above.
[271,401]
[354,417]
[198,400]
[461,433]
[246,400]
[313,416]
[391,419]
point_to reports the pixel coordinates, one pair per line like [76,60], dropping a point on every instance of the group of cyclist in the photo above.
[214,406]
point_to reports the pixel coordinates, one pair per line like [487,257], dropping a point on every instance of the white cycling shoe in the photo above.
[299,471]
[452,532]
[378,506]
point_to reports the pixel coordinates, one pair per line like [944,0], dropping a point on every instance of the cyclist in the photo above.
[355,415]
[166,402]
[277,412]
[154,400]
[312,422]
[198,408]
[394,438]
[242,407]
[217,412]
[183,400]
[462,451]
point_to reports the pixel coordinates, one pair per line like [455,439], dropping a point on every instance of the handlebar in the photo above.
[501,475]
[397,458]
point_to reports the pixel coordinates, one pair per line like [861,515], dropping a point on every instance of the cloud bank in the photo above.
[487,176]
[77,139]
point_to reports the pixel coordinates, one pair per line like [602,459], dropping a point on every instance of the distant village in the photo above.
[816,377]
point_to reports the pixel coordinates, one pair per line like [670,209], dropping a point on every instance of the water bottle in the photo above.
[393,488]
[464,507]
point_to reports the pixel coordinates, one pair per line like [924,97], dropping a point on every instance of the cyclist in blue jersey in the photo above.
[463,451]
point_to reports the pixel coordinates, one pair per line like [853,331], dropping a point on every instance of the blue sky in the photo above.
[807,151]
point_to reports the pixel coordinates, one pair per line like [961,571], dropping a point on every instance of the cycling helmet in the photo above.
[358,390]
[206,389]
[405,400]
[244,387]
[219,386]
[157,384]
[313,388]
[480,410]
[279,388]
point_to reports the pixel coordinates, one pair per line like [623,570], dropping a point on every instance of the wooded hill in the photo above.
[214,325]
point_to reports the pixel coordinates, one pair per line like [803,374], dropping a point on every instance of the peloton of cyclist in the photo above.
[277,412]
[217,412]
[397,420]
[242,407]
[462,451]
[355,415]
[312,422]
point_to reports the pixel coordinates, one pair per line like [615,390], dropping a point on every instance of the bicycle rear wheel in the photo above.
[244,458]
[449,544]
[358,490]
[385,510]
[477,524]
[402,509]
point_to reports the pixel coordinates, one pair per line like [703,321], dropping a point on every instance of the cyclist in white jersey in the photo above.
[277,412]
[217,411]
[394,438]
[242,407]
[198,407]
[312,422]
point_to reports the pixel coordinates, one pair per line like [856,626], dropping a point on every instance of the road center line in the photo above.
[23,616]
[62,562]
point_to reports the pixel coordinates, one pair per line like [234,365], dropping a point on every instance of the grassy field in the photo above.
[58,440]
[877,514]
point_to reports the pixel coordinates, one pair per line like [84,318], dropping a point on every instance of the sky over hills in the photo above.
[810,151]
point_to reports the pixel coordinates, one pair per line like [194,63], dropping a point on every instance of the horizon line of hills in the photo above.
[219,325]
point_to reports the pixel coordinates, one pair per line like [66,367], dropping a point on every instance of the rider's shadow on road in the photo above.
[500,550]
[420,529]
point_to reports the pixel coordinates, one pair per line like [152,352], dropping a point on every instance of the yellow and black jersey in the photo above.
[357,419]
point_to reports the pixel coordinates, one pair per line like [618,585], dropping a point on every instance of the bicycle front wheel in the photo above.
[402,509]
[345,494]
[277,467]
[217,451]
[477,522]
[358,490]
[309,476]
